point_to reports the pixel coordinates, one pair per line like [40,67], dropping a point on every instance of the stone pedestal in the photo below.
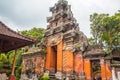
[82,76]
[25,77]
[67,77]
[59,75]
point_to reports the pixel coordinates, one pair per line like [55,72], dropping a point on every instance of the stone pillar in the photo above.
[59,74]
[12,76]
[59,57]
[103,69]
[23,66]
[114,74]
[108,71]
[38,66]
[48,58]
[87,69]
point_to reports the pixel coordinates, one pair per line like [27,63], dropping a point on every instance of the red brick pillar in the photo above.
[103,69]
[69,61]
[108,70]
[87,69]
[59,57]
[48,58]
[78,63]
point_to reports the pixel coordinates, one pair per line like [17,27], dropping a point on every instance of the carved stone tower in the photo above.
[68,53]
[65,43]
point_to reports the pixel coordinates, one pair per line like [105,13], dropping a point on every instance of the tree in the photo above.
[96,25]
[111,30]
[106,30]
[3,59]
[91,41]
[34,32]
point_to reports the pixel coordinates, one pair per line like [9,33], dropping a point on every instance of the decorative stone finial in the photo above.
[62,1]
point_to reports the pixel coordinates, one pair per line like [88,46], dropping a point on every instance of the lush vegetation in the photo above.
[8,58]
[34,33]
[105,30]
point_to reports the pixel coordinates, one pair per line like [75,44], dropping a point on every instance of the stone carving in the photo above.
[54,40]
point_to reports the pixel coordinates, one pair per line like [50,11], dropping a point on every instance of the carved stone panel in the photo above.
[54,40]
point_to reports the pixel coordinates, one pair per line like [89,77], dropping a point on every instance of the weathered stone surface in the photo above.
[33,64]
[3,76]
[26,77]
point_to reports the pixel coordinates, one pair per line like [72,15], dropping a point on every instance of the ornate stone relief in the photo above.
[54,40]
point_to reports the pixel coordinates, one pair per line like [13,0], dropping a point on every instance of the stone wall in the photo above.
[32,66]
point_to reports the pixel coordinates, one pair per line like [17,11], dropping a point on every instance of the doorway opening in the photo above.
[54,60]
[96,70]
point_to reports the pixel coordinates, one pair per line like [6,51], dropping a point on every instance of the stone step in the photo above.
[52,77]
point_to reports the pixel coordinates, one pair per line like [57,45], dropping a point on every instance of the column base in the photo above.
[12,77]
[82,76]
[59,75]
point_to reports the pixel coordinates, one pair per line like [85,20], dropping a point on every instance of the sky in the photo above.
[26,14]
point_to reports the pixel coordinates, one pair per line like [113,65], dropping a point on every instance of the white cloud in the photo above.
[8,23]
[32,13]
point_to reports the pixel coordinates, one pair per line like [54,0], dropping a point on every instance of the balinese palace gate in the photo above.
[11,40]
[68,52]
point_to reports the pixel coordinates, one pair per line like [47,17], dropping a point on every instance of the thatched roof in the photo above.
[10,40]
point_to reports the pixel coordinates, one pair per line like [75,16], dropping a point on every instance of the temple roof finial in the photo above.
[62,1]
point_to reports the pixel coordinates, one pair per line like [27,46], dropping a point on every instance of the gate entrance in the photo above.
[96,70]
[54,60]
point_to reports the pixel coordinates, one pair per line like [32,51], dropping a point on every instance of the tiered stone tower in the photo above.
[65,43]
[68,53]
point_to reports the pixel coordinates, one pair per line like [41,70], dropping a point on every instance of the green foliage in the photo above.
[10,57]
[45,77]
[91,41]
[8,72]
[19,58]
[106,30]
[3,58]
[96,25]
[1,63]
[18,72]
[34,32]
